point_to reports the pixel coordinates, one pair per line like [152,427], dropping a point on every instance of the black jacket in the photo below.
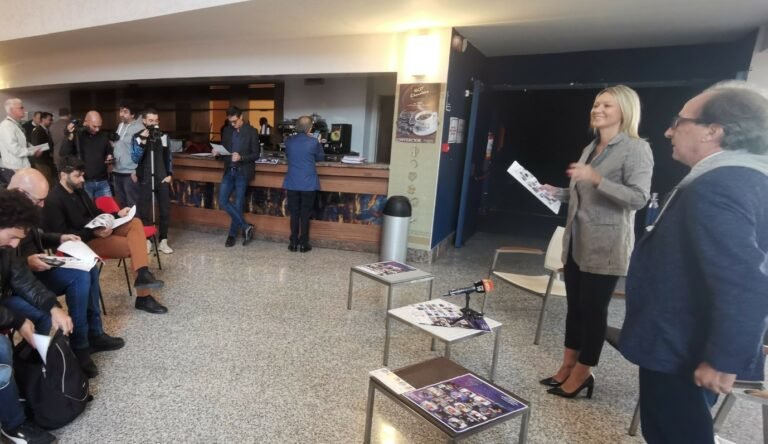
[92,149]
[16,278]
[247,146]
[69,213]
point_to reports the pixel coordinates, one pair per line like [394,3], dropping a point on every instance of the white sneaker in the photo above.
[164,247]
[720,440]
[149,246]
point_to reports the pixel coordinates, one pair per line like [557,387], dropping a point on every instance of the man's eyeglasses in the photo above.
[677,120]
[233,122]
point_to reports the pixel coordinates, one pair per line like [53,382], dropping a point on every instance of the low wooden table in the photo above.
[428,373]
[391,281]
[448,335]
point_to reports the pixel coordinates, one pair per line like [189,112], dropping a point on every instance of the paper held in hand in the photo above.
[530,182]
[220,150]
[107,220]
[42,147]
[81,256]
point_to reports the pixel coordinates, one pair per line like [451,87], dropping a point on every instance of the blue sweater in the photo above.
[697,287]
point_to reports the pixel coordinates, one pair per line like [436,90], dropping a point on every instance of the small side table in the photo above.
[377,272]
[428,373]
[449,335]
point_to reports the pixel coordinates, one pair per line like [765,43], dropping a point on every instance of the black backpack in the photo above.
[57,391]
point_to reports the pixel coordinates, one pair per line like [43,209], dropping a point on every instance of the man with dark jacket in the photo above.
[92,146]
[68,210]
[81,288]
[242,140]
[17,216]
[41,135]
[301,181]
[152,156]
[697,287]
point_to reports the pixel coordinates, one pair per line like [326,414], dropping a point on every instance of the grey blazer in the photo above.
[601,219]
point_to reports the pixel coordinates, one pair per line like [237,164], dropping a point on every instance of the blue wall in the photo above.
[463,67]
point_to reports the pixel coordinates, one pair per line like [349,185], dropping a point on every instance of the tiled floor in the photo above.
[258,347]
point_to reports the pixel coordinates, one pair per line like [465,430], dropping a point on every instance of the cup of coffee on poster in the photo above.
[426,121]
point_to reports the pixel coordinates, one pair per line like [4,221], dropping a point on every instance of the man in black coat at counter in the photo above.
[242,140]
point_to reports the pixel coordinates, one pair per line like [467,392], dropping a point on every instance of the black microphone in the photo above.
[482,286]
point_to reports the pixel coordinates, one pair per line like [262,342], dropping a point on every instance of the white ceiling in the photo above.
[496,27]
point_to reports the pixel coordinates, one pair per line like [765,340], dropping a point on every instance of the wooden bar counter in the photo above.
[348,232]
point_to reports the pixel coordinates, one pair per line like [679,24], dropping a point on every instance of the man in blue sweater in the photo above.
[697,287]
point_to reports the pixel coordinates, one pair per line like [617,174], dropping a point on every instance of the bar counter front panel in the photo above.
[348,211]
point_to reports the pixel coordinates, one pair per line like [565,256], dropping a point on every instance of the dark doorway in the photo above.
[384,135]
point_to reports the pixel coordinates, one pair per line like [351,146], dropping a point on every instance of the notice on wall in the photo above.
[417,120]
[460,131]
[453,127]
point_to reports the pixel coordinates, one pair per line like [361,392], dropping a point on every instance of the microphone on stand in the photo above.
[482,286]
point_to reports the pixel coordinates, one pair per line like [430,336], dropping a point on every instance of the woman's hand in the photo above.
[580,172]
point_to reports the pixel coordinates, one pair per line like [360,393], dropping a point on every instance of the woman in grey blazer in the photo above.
[611,180]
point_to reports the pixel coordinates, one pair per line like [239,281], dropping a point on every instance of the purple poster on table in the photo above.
[464,402]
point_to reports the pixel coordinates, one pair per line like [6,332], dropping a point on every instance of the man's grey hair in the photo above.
[304,124]
[742,110]
[9,104]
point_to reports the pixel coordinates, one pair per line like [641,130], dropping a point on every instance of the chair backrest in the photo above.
[107,204]
[553,259]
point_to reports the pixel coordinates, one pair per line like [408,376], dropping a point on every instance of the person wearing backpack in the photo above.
[17,215]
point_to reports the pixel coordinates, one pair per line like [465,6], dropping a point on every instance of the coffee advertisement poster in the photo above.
[417,112]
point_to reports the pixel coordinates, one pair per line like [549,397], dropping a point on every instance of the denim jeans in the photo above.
[126,190]
[233,181]
[97,188]
[82,293]
[11,411]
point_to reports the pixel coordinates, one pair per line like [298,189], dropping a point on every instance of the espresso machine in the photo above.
[339,139]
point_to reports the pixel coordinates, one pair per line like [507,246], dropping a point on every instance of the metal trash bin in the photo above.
[394,231]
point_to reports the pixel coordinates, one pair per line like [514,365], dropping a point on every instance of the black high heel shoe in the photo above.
[551,382]
[589,384]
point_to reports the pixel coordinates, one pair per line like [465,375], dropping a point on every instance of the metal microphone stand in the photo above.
[467,314]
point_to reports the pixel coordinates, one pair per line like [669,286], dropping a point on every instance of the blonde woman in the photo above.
[609,183]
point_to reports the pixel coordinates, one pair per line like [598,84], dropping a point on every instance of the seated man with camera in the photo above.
[68,210]
[81,288]
[94,148]
[152,155]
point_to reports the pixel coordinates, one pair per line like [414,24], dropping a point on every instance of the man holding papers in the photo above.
[68,209]
[81,288]
[241,139]
[13,143]
[17,215]
[41,136]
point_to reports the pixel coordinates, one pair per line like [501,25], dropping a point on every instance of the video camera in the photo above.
[154,132]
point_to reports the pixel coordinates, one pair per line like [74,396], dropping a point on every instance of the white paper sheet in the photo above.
[42,147]
[126,219]
[530,182]
[79,250]
[220,149]
[202,154]
[74,263]
[41,345]
[391,380]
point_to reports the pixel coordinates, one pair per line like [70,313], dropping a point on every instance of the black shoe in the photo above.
[230,241]
[551,382]
[146,279]
[150,305]
[86,363]
[28,433]
[305,248]
[293,247]
[105,342]
[248,235]
[589,384]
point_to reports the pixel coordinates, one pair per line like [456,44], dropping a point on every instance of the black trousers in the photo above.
[300,204]
[674,410]
[163,209]
[588,296]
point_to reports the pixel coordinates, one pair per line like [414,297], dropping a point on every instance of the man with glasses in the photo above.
[13,142]
[81,288]
[242,140]
[697,309]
